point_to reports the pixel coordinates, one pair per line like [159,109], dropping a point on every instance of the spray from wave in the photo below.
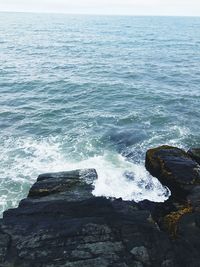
[24,159]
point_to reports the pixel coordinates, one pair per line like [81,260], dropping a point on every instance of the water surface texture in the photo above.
[95,92]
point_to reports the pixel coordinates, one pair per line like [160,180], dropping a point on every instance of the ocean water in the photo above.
[95,92]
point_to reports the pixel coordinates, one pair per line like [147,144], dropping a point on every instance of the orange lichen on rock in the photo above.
[157,162]
[172,219]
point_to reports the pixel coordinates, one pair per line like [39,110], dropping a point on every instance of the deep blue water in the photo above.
[88,91]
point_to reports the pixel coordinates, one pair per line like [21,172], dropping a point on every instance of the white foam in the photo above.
[23,160]
[121,179]
[112,170]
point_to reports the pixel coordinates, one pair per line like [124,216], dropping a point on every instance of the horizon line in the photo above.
[97,14]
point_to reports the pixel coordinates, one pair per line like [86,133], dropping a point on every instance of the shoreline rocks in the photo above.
[174,168]
[62,224]
[180,171]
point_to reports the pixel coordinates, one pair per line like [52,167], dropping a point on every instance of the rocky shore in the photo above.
[62,224]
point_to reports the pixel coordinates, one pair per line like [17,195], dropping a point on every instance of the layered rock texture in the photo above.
[62,224]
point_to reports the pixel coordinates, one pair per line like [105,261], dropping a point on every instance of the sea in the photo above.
[80,91]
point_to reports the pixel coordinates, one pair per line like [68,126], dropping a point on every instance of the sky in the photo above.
[113,7]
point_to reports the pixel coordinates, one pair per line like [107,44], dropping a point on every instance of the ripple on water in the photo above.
[95,92]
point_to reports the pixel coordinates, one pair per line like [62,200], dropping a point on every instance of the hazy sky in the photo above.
[133,7]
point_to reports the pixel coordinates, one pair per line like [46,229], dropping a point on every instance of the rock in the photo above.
[65,184]
[174,168]
[194,153]
[141,254]
[137,264]
[180,214]
[62,224]
[4,243]
[167,263]
[194,198]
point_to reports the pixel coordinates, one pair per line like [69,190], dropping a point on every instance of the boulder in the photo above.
[180,213]
[174,168]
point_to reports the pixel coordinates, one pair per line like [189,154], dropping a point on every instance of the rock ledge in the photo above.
[62,224]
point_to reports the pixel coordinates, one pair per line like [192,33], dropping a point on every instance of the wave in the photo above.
[23,160]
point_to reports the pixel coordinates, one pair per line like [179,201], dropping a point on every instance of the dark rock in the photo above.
[141,254]
[137,264]
[4,245]
[180,214]
[52,183]
[174,168]
[194,153]
[61,224]
[167,263]
[194,197]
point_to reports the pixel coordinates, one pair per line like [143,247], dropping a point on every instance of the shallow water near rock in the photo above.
[95,92]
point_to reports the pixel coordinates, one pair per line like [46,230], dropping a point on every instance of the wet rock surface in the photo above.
[179,215]
[62,224]
[174,168]
[195,154]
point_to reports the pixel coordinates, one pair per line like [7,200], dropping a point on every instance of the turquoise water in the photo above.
[95,92]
